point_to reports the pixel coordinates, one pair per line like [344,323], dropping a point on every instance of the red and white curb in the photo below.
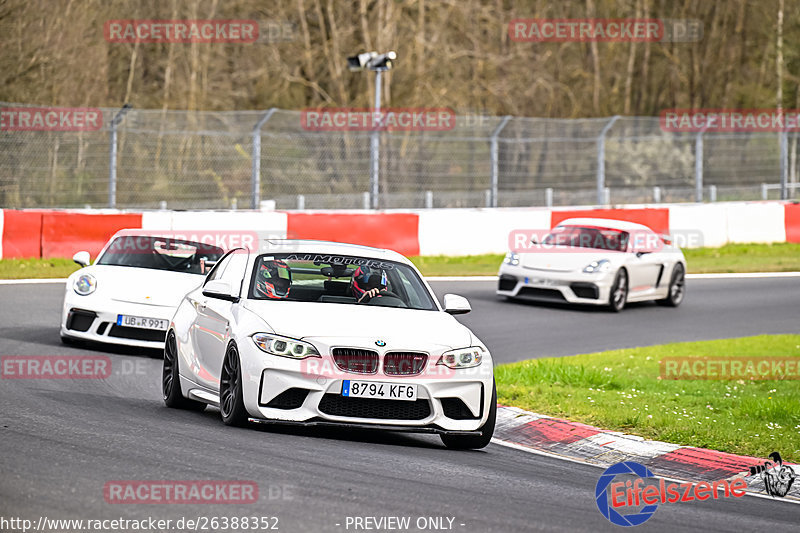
[586,444]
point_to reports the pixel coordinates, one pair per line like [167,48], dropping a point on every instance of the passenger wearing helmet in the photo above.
[274,279]
[368,283]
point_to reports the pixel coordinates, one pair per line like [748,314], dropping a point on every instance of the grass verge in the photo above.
[622,390]
[779,257]
[36,268]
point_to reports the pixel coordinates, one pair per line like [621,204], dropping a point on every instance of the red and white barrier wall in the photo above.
[49,233]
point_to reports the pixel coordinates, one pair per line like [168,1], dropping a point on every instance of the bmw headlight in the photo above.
[512,258]
[283,346]
[85,284]
[598,266]
[463,358]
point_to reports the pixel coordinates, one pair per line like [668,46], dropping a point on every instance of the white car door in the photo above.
[214,322]
[644,267]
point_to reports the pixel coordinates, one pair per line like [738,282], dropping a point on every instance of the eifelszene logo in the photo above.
[639,498]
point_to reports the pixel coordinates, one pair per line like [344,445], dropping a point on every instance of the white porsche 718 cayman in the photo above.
[318,333]
[130,293]
[598,262]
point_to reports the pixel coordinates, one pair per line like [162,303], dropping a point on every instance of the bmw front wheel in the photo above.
[231,400]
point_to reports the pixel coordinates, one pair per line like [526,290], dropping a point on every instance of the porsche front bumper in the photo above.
[546,285]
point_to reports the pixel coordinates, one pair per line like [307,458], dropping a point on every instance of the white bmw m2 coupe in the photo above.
[322,333]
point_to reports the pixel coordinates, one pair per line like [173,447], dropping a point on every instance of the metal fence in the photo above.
[184,159]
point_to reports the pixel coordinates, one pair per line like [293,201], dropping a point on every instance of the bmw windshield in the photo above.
[338,279]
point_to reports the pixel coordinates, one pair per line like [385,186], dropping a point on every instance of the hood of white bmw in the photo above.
[365,326]
[140,285]
[566,258]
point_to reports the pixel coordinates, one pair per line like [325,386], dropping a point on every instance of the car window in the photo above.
[588,237]
[161,253]
[338,279]
[235,267]
[218,269]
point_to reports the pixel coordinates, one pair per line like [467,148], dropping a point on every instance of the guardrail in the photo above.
[41,233]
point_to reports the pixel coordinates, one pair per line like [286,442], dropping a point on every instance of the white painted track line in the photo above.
[720,275]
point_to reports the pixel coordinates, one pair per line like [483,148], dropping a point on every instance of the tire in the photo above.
[475,442]
[170,379]
[677,287]
[231,401]
[618,296]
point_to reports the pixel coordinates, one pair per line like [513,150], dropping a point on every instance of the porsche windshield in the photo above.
[160,253]
[588,237]
[338,279]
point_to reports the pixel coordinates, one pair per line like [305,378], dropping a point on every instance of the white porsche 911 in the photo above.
[130,293]
[319,333]
[598,262]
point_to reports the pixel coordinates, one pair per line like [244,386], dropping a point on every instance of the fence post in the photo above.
[255,174]
[601,160]
[784,166]
[548,197]
[712,193]
[764,191]
[494,153]
[428,199]
[301,202]
[112,156]
[365,197]
[698,167]
[657,194]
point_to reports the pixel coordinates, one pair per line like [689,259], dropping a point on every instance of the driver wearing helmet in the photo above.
[368,283]
[274,279]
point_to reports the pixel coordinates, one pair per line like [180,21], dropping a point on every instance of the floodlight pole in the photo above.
[112,156]
[374,153]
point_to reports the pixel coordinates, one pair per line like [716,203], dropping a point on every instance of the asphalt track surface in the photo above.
[62,440]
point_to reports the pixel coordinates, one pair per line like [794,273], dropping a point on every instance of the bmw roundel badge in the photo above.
[380,343]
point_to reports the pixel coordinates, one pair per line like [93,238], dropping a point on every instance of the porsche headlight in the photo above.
[462,358]
[512,258]
[597,266]
[85,284]
[283,346]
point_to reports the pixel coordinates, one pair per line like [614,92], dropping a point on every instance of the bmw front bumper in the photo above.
[309,391]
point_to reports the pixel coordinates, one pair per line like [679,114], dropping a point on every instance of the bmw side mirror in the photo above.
[82,258]
[220,290]
[456,305]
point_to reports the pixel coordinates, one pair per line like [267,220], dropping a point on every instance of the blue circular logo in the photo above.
[601,494]
[380,343]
